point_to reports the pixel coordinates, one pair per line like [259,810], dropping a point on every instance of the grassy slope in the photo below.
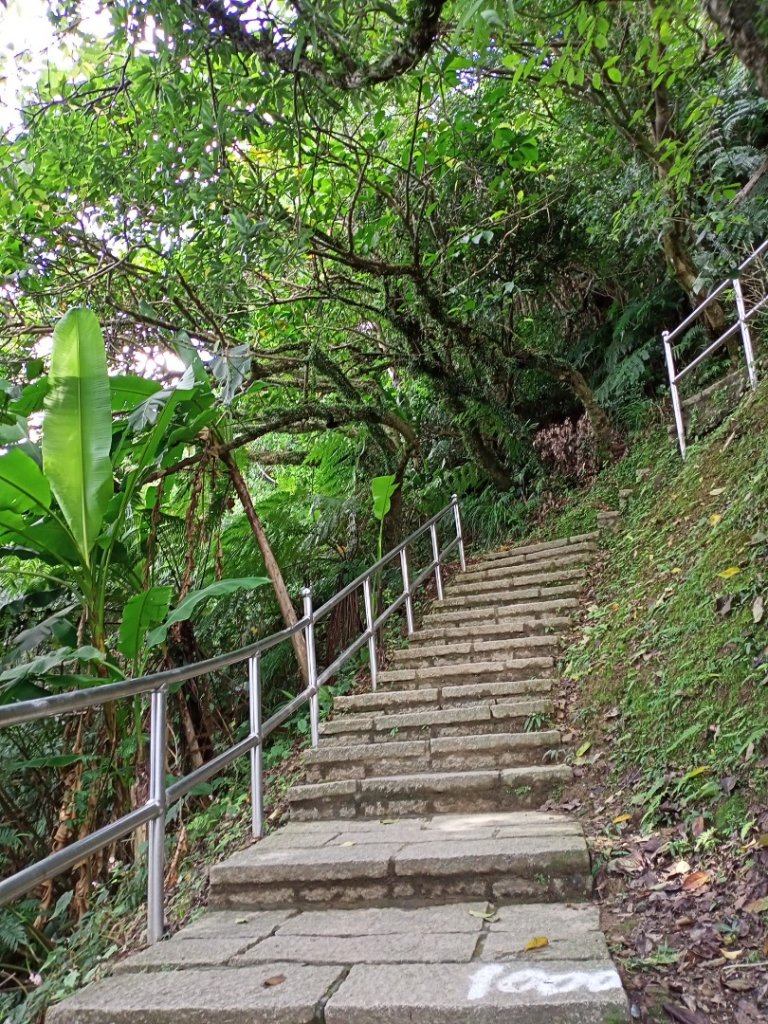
[671,639]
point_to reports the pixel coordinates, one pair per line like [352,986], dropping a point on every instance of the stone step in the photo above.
[502,669]
[424,655]
[500,598]
[503,613]
[333,762]
[578,991]
[515,857]
[444,792]
[531,552]
[497,570]
[392,701]
[551,625]
[474,720]
[512,583]
[367,965]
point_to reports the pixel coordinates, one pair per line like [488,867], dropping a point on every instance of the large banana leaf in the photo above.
[23,488]
[143,611]
[77,429]
[186,608]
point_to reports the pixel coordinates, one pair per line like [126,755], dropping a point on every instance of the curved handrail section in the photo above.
[152,813]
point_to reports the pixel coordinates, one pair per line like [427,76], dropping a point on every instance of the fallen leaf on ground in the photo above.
[757,906]
[683,1016]
[484,915]
[758,610]
[732,570]
[731,954]
[539,942]
[621,817]
[348,843]
[695,880]
[276,979]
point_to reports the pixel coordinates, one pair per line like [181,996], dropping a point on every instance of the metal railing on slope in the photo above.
[742,324]
[153,812]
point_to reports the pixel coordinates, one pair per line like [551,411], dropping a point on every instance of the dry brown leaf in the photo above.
[731,954]
[276,979]
[757,906]
[695,880]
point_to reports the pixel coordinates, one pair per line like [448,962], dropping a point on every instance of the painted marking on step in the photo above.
[539,980]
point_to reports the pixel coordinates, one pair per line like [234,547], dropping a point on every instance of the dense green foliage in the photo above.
[347,260]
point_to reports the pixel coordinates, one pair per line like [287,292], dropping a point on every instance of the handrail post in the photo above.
[746,337]
[372,656]
[407,591]
[677,408]
[459,534]
[309,636]
[158,726]
[436,560]
[257,752]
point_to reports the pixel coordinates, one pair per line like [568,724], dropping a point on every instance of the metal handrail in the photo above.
[152,812]
[743,316]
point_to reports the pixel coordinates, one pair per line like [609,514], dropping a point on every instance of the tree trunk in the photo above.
[598,418]
[684,271]
[270,562]
[744,23]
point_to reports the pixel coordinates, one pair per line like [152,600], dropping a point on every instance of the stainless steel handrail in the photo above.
[743,316]
[153,811]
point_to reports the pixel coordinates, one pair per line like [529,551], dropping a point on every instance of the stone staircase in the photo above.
[415,881]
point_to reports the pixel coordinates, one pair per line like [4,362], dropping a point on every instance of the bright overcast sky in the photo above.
[27,41]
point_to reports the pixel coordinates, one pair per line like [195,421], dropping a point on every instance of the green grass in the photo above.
[671,639]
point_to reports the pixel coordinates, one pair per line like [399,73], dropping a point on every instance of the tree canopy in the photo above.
[329,242]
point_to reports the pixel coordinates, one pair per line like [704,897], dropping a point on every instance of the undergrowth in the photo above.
[675,639]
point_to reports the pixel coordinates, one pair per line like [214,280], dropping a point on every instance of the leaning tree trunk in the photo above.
[270,562]
[744,23]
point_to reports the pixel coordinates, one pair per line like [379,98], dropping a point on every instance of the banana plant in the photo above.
[66,508]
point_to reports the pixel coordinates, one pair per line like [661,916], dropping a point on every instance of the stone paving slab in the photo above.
[559,992]
[450,918]
[501,612]
[437,698]
[498,670]
[475,650]
[523,569]
[215,996]
[400,948]
[512,581]
[464,857]
[550,625]
[508,597]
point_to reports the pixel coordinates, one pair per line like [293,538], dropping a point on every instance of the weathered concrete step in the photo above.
[443,696]
[475,720]
[515,857]
[498,570]
[551,625]
[532,552]
[470,672]
[333,762]
[563,992]
[512,583]
[423,656]
[452,955]
[499,597]
[444,792]
[501,613]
